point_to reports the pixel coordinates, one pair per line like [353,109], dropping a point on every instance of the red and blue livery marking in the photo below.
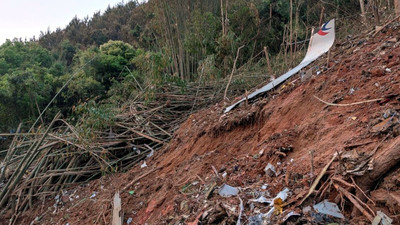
[323,29]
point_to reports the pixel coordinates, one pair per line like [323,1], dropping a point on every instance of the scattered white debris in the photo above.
[144,165]
[256,220]
[150,154]
[290,214]
[306,209]
[93,195]
[261,199]
[385,219]
[328,208]
[270,170]
[129,221]
[228,191]
[282,195]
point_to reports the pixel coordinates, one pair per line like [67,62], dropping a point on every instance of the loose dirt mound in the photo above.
[290,129]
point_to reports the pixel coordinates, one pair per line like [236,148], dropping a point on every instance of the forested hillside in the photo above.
[132,47]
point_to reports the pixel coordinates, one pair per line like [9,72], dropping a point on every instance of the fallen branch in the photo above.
[116,216]
[316,182]
[137,179]
[233,71]
[354,201]
[349,104]
[361,191]
[381,28]
[142,134]
[343,182]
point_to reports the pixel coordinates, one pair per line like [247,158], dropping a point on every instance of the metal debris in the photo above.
[228,191]
[93,195]
[328,208]
[129,221]
[385,220]
[261,199]
[256,220]
[290,214]
[306,210]
[270,170]
[282,195]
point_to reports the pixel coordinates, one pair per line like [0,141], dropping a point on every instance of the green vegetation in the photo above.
[134,48]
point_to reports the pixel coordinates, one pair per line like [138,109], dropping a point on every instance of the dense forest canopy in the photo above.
[133,47]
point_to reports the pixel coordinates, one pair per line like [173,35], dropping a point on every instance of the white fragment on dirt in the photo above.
[386,220]
[228,191]
[270,170]
[129,221]
[328,208]
[282,195]
[261,199]
[93,195]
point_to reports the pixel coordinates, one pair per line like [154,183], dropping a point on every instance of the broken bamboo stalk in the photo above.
[117,218]
[354,201]
[316,182]
[349,104]
[233,71]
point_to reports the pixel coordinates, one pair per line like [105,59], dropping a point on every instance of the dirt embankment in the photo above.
[291,130]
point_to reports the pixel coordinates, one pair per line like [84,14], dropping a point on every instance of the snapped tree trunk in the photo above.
[375,10]
[384,161]
[291,32]
[363,16]
[397,7]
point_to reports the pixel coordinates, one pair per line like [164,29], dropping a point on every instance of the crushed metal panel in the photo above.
[319,44]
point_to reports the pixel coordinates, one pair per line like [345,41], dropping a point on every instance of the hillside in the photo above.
[134,49]
[356,138]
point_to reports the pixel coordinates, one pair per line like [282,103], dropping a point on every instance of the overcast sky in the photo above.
[26,18]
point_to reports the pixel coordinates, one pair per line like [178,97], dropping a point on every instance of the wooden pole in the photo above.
[291,32]
[270,15]
[397,7]
[328,58]
[268,62]
[117,218]
[233,71]
[376,11]
[321,17]
[362,7]
[222,18]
